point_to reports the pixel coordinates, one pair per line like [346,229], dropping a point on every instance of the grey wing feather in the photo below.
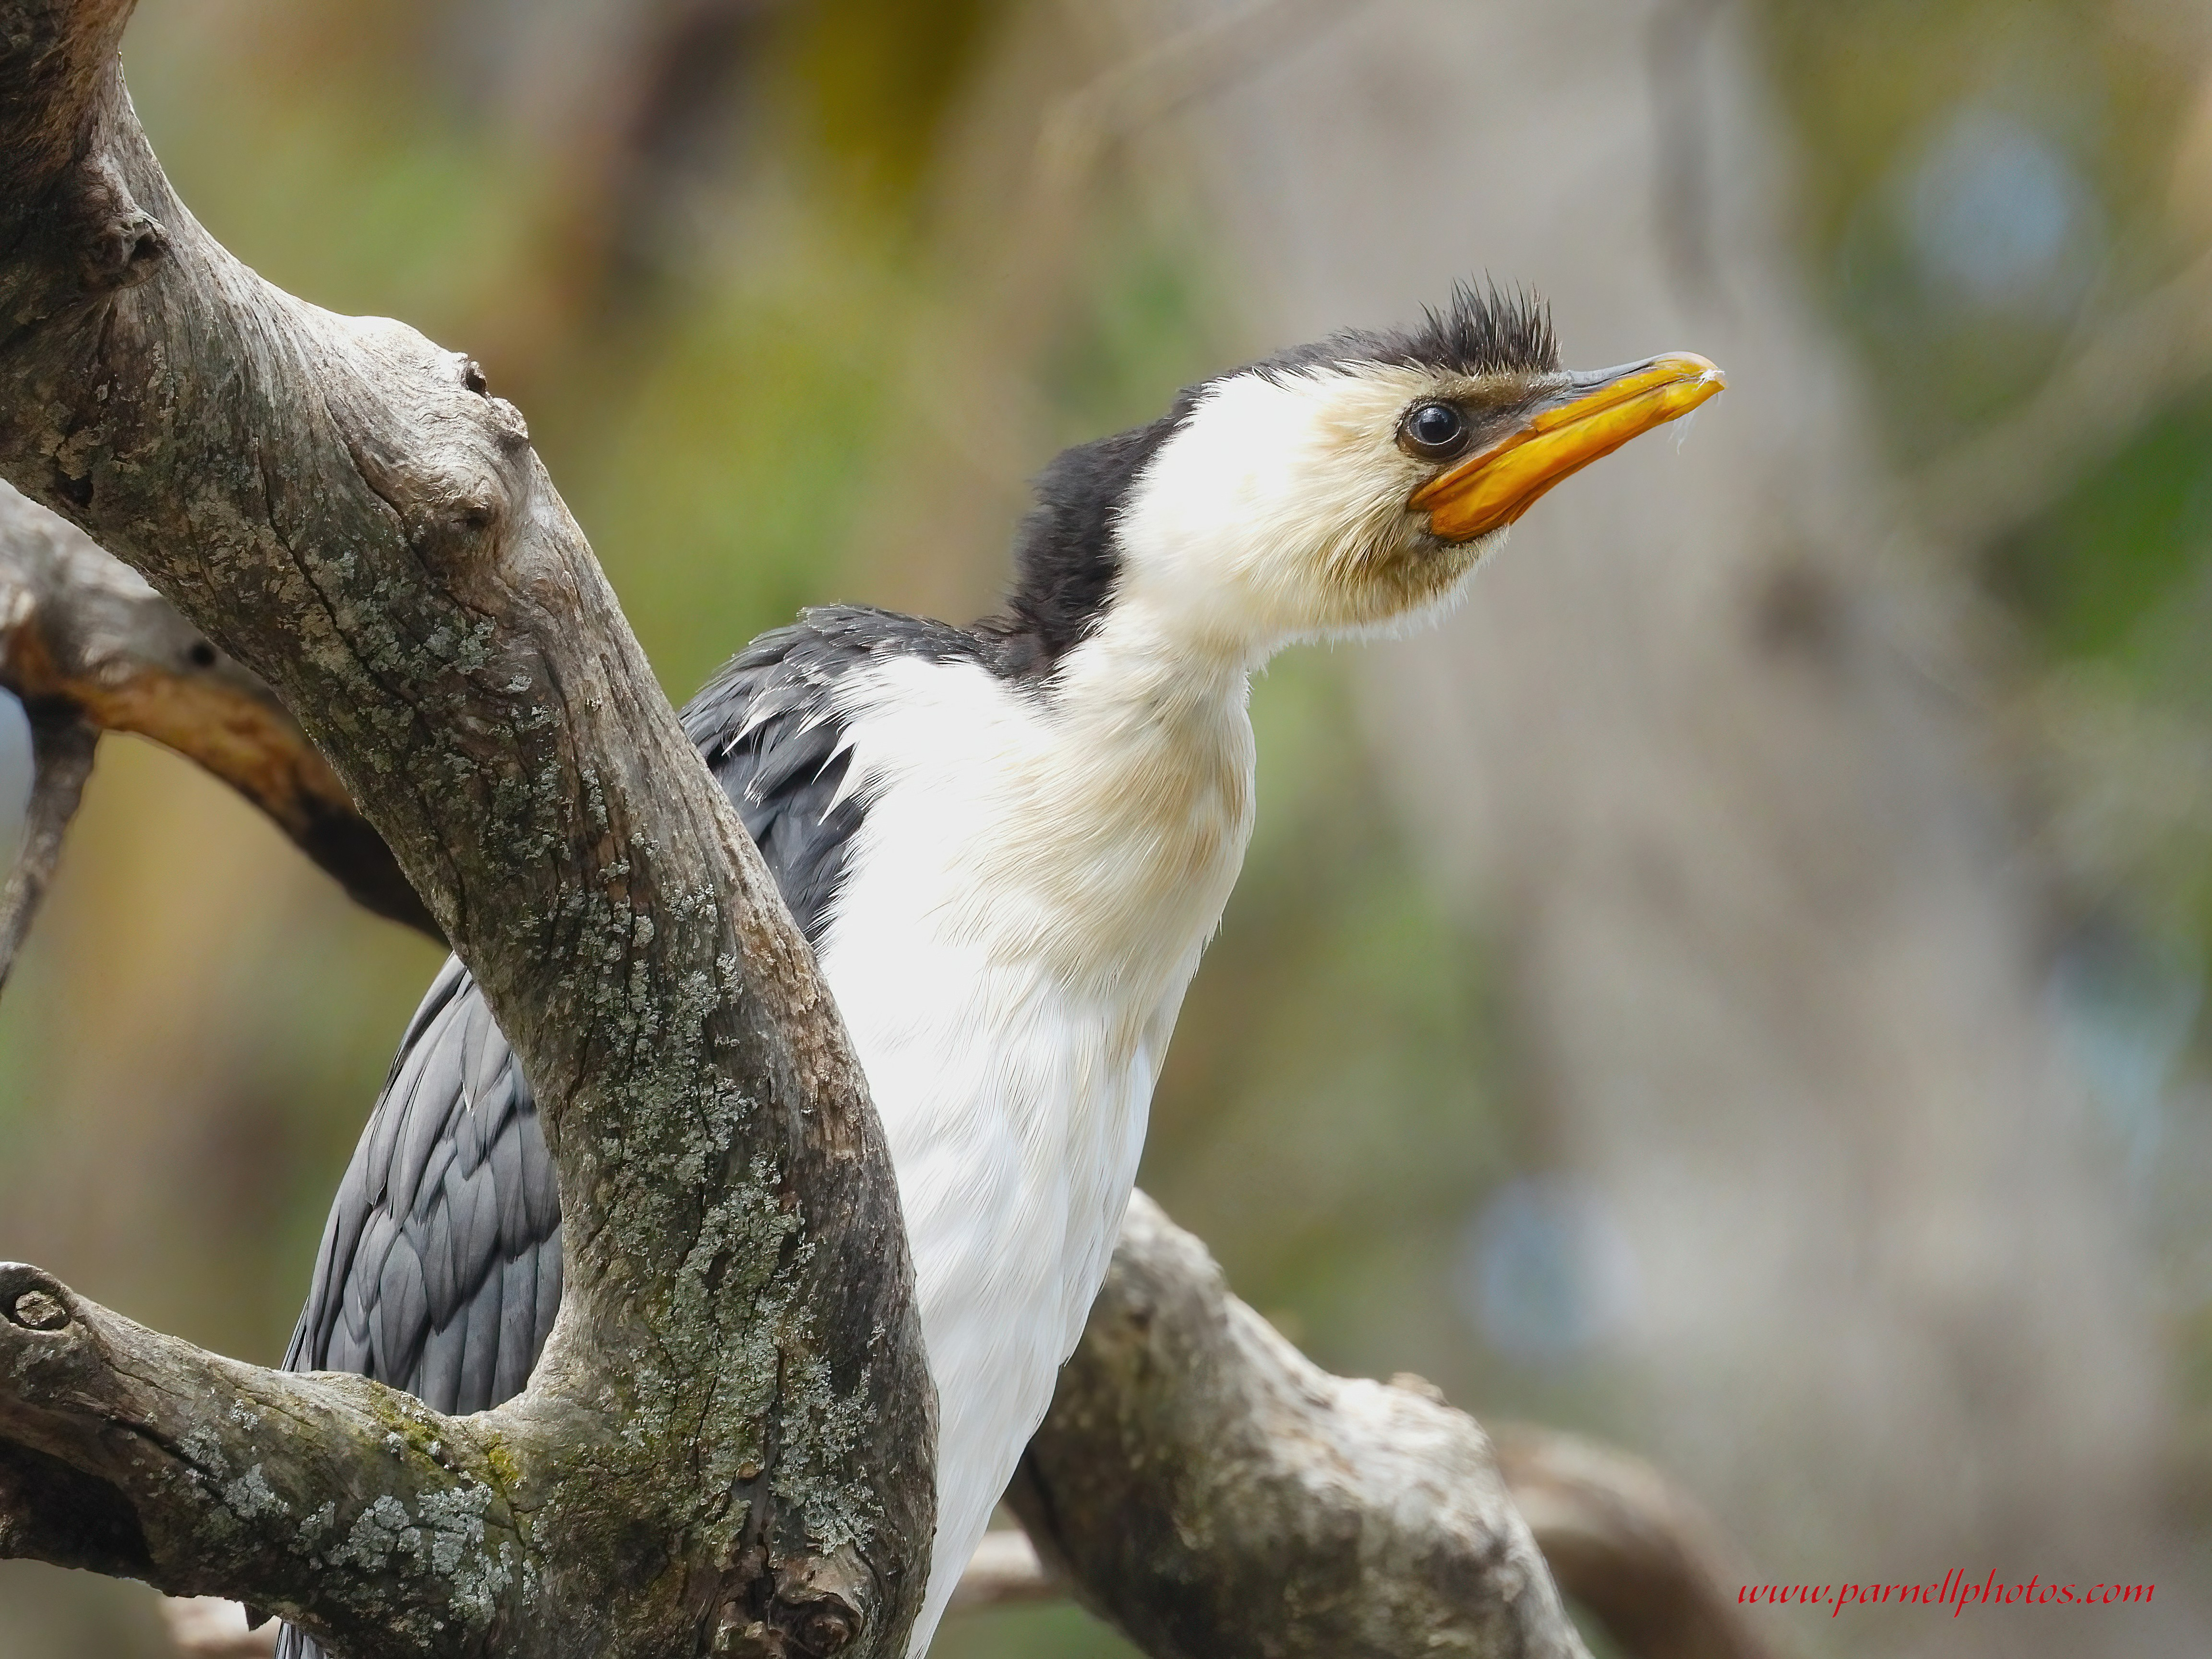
[440,1269]
[413,1247]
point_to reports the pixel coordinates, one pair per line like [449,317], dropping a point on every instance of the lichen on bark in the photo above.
[345,510]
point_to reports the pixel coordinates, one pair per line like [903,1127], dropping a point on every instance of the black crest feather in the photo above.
[1482,330]
[1485,330]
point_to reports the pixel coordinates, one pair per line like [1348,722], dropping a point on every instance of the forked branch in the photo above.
[727,1446]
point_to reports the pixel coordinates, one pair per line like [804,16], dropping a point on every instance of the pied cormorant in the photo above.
[1007,845]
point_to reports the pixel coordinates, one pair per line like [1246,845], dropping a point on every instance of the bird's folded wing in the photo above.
[439,1270]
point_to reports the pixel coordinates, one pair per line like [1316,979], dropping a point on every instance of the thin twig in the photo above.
[62,744]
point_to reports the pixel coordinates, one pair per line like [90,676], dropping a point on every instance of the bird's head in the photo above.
[1336,489]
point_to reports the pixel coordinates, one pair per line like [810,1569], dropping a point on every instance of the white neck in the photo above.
[1035,875]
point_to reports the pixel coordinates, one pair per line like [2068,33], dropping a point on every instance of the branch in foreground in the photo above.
[1004,1572]
[726,1447]
[253,1476]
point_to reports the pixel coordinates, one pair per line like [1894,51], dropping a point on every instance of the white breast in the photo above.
[1023,905]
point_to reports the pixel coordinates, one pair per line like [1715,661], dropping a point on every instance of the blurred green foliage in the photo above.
[2088,122]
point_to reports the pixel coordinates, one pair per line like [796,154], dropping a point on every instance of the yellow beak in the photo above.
[1591,416]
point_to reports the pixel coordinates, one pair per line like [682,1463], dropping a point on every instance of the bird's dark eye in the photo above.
[1436,430]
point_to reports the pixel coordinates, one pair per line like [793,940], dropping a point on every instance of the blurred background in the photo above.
[1736,990]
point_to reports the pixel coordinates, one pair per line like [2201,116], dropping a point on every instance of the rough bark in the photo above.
[727,1446]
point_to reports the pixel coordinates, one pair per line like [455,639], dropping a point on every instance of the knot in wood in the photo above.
[826,1628]
[118,242]
[819,1630]
[815,1604]
[36,1310]
[509,429]
[453,514]
[811,1615]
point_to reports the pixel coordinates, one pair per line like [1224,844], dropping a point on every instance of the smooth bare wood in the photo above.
[727,1446]
[1217,1495]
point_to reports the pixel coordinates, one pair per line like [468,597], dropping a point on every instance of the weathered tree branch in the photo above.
[1004,1571]
[726,1448]
[1196,1469]
[147,1457]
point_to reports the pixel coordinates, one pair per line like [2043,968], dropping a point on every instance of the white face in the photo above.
[1282,511]
[1349,496]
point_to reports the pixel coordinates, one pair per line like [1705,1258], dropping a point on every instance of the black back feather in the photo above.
[1066,558]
